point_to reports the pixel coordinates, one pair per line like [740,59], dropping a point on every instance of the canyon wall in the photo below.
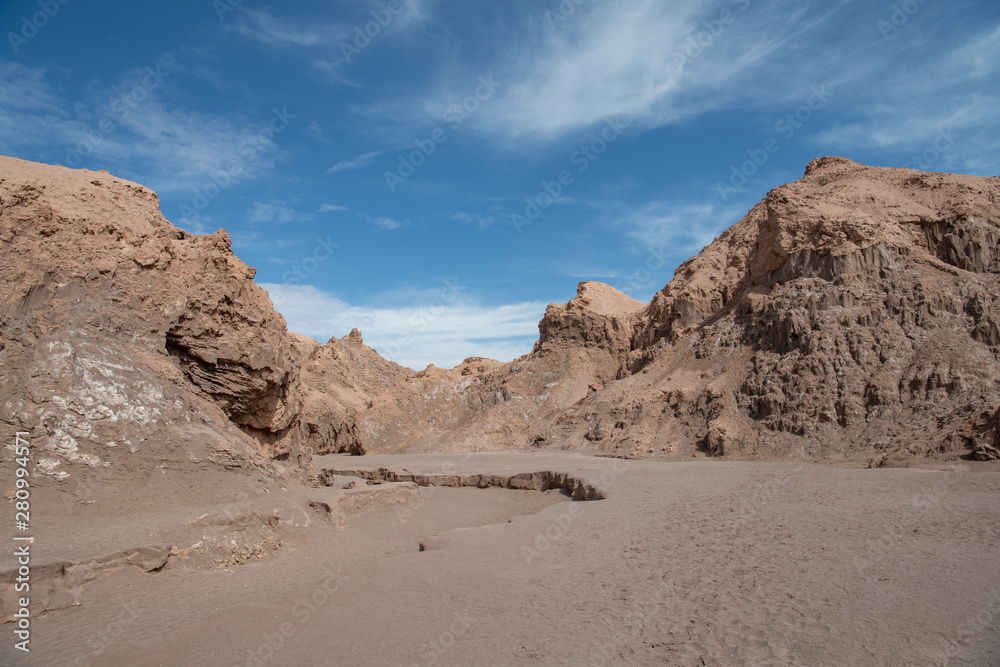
[851,315]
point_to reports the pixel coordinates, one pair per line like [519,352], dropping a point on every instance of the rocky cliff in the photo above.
[121,333]
[852,315]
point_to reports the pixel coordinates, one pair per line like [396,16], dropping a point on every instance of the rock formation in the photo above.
[852,314]
[121,333]
[486,405]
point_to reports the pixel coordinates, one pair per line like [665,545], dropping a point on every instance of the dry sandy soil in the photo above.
[700,563]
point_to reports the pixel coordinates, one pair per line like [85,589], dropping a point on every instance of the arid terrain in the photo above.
[789,456]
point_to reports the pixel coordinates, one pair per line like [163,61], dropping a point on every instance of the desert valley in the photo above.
[789,456]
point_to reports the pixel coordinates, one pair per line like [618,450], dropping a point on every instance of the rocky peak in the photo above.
[599,316]
[852,313]
[91,267]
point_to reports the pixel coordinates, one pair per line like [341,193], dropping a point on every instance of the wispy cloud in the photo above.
[683,228]
[430,332]
[323,44]
[261,25]
[276,213]
[956,94]
[658,64]
[634,58]
[389,223]
[330,208]
[27,89]
[317,43]
[169,147]
[414,12]
[357,163]
[481,221]
[198,223]
[187,147]
[32,113]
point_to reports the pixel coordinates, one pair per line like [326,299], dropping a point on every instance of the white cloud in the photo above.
[259,24]
[321,42]
[682,228]
[264,212]
[186,148]
[656,63]
[198,223]
[32,113]
[442,330]
[357,163]
[481,221]
[646,60]
[27,89]
[414,12]
[166,146]
[955,97]
[329,208]
[388,223]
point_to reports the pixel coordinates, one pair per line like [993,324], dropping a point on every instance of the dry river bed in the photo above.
[702,563]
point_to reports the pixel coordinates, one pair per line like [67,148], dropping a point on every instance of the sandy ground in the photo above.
[702,563]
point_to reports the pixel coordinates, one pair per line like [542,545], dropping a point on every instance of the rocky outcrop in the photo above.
[487,405]
[334,383]
[544,480]
[852,314]
[122,335]
[982,435]
[599,317]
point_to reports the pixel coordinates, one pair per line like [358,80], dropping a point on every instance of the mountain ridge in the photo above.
[851,315]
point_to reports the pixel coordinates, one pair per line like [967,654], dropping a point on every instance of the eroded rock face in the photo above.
[484,405]
[334,383]
[121,333]
[853,313]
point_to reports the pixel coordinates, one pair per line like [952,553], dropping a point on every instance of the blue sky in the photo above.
[435,172]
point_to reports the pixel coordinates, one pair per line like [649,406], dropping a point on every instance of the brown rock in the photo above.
[122,335]
[849,309]
[854,311]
